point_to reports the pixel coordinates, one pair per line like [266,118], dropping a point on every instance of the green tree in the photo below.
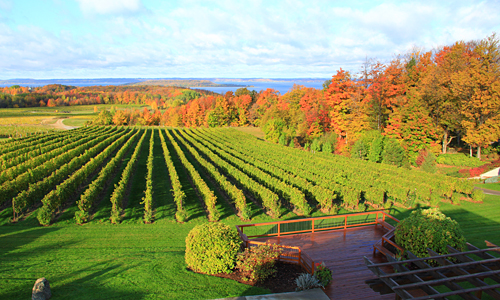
[104,118]
[376,149]
[394,153]
[360,149]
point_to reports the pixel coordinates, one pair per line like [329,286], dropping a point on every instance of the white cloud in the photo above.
[110,7]
[230,38]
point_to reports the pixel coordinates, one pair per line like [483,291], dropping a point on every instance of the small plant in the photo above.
[306,281]
[257,263]
[477,195]
[181,216]
[323,274]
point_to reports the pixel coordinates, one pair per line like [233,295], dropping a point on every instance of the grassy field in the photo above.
[255,131]
[76,121]
[64,111]
[20,122]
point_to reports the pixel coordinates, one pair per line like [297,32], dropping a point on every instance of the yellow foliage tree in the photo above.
[478,89]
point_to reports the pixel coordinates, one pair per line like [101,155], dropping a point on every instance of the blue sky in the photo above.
[45,39]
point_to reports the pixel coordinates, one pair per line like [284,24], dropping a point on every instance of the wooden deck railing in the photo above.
[311,225]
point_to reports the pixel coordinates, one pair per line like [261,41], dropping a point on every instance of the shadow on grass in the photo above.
[84,283]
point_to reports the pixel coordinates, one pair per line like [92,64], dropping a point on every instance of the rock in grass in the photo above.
[41,290]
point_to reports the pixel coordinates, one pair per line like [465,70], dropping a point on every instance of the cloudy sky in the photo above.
[45,39]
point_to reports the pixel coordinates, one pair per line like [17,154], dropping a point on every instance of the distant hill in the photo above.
[184,83]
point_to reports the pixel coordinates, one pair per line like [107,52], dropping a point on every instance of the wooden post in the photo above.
[345,222]
[279,229]
[313,225]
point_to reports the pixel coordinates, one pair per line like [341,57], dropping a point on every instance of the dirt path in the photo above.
[489,192]
[60,125]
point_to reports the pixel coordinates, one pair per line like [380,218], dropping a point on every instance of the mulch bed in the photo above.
[282,282]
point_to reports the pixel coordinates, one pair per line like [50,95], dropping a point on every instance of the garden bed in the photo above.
[282,282]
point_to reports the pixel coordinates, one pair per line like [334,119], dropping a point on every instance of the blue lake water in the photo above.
[281,86]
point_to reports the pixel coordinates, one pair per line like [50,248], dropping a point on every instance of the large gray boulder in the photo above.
[41,290]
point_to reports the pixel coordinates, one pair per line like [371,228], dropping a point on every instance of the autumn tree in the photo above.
[347,107]
[120,118]
[435,90]
[411,124]
[385,85]
[478,89]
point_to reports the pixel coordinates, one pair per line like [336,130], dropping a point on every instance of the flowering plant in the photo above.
[323,274]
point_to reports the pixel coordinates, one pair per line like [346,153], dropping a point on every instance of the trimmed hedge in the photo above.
[212,248]
[429,228]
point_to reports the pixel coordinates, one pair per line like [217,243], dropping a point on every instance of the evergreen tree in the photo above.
[316,145]
[359,150]
[376,148]
[394,153]
[429,164]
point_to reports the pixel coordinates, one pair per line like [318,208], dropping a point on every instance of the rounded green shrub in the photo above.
[429,228]
[212,248]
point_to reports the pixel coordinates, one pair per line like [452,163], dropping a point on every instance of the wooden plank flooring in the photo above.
[342,252]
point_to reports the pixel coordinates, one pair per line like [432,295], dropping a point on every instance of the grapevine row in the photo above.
[291,193]
[18,170]
[17,157]
[324,196]
[39,189]
[53,200]
[10,188]
[268,198]
[206,193]
[333,181]
[121,187]
[148,193]
[34,140]
[235,194]
[405,186]
[178,193]
[88,197]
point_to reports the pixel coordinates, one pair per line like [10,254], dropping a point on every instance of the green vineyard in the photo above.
[93,169]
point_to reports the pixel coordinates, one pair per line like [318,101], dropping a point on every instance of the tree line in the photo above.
[422,99]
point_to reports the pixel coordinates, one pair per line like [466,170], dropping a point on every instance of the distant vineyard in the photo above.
[44,175]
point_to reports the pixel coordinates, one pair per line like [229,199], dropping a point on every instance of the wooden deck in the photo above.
[342,252]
